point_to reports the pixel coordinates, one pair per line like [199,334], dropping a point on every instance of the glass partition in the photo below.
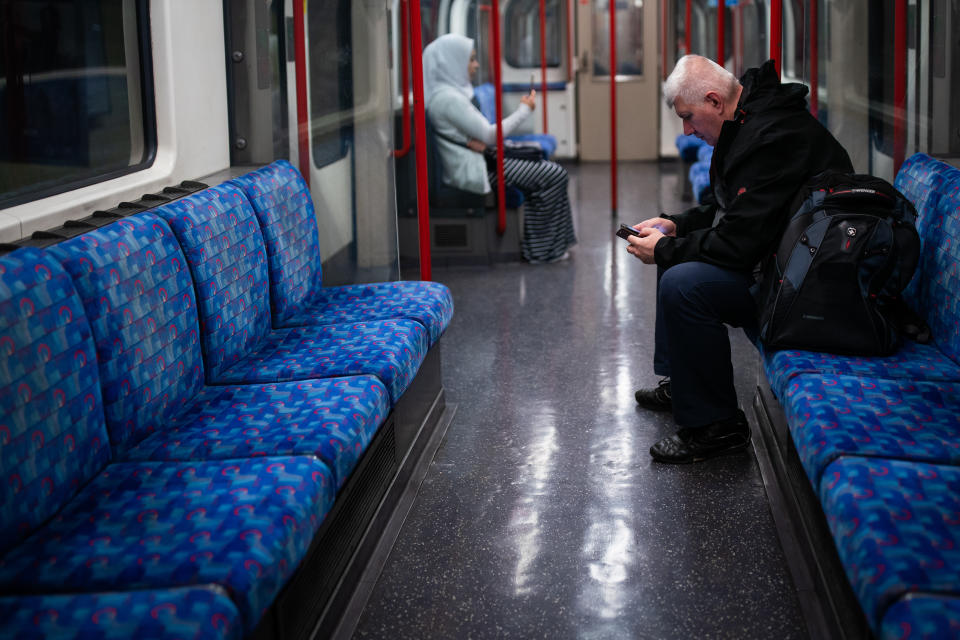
[352,139]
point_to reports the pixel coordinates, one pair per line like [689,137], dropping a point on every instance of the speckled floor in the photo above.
[543,515]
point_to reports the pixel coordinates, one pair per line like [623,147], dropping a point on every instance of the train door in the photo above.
[637,76]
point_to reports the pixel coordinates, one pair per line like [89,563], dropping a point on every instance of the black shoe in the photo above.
[656,399]
[693,445]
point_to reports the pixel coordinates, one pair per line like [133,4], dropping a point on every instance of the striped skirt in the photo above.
[547,221]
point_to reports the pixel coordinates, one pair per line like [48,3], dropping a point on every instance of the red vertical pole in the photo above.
[498,86]
[543,60]
[613,107]
[420,118]
[686,29]
[303,118]
[569,44]
[721,32]
[404,80]
[776,32]
[899,84]
[814,60]
[664,7]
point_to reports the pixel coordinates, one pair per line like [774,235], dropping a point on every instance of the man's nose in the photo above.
[687,128]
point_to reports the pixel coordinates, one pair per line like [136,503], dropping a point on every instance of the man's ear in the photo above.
[714,100]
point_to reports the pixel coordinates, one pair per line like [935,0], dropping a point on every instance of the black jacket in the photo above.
[762,158]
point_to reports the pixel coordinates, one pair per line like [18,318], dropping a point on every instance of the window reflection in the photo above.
[522,33]
[629,22]
[71,103]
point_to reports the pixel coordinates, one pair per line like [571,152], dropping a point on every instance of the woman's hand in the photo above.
[530,99]
[476,145]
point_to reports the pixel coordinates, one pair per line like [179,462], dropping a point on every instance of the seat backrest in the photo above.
[219,234]
[939,293]
[138,294]
[434,163]
[486,98]
[931,185]
[284,209]
[53,439]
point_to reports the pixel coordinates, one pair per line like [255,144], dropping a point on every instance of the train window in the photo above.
[629,17]
[76,103]
[522,33]
[331,79]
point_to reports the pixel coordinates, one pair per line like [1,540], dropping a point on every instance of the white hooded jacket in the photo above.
[448,91]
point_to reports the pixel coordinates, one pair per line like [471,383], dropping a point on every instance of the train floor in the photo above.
[542,514]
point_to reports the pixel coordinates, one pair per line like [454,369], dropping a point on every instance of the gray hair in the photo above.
[694,76]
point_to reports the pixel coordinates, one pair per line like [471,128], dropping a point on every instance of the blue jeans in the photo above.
[695,301]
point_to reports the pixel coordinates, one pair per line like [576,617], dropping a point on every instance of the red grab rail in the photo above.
[613,107]
[687,20]
[776,32]
[420,116]
[300,64]
[721,32]
[404,78]
[899,84]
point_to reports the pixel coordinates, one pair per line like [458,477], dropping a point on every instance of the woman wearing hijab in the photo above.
[463,133]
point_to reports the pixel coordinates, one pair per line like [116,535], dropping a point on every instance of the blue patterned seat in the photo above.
[922,617]
[218,231]
[151,368]
[912,362]
[242,524]
[72,521]
[831,416]
[896,525]
[284,209]
[189,613]
[688,146]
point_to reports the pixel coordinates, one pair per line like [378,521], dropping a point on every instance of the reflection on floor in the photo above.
[543,515]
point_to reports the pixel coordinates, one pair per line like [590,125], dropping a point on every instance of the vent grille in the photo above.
[308,593]
[450,235]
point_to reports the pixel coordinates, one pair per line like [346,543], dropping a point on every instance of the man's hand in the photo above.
[642,246]
[476,145]
[664,226]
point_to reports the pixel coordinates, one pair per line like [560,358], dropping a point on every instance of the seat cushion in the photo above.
[428,303]
[923,617]
[831,416]
[189,613]
[912,362]
[392,350]
[243,525]
[896,525]
[333,419]
[53,439]
[139,296]
[284,210]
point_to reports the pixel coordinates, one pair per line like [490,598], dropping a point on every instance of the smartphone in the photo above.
[531,83]
[625,231]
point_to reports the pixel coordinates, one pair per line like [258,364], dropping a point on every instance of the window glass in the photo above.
[629,19]
[72,104]
[522,33]
[331,79]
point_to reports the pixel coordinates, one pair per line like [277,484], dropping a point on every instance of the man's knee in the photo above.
[677,282]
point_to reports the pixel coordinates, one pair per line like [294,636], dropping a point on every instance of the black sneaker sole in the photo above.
[716,453]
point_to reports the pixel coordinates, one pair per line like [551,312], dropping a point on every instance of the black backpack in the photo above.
[834,282]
